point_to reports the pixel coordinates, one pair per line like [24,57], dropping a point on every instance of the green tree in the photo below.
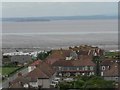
[43,55]
[97,60]
[86,82]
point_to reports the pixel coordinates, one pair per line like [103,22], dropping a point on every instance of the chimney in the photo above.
[61,51]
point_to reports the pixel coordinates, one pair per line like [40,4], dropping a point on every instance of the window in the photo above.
[83,68]
[67,68]
[60,68]
[109,67]
[77,68]
[71,68]
[103,67]
[86,68]
[116,78]
[91,67]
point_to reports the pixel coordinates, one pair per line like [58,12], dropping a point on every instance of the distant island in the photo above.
[50,18]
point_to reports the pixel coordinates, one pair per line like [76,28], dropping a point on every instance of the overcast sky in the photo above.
[39,9]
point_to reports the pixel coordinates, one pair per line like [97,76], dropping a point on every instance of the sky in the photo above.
[41,9]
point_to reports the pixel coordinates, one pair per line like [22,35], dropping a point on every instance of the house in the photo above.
[87,50]
[82,66]
[21,59]
[19,82]
[73,53]
[40,77]
[110,69]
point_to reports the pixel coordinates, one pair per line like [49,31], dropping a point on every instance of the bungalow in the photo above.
[40,77]
[82,66]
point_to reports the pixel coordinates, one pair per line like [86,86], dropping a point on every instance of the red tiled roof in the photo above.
[83,61]
[63,63]
[56,55]
[37,73]
[42,71]
[107,62]
[16,85]
[114,70]
[20,79]
[35,63]
[47,69]
[51,60]
[60,53]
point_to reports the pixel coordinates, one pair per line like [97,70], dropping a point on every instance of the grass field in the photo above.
[7,70]
[112,54]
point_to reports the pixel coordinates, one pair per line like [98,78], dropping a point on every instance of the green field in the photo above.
[112,54]
[7,70]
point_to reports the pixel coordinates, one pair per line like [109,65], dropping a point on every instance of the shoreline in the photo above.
[105,47]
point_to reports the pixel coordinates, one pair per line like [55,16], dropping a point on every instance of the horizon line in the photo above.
[62,16]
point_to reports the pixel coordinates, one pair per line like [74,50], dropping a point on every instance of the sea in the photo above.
[45,35]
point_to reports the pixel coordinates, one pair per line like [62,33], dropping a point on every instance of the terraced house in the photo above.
[82,66]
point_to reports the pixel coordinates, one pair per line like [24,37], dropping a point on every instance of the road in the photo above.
[5,84]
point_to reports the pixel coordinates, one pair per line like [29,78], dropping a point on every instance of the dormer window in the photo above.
[91,67]
[103,67]
[95,54]
[109,67]
[86,68]
[77,68]
[60,68]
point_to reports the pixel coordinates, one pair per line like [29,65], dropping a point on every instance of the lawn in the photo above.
[112,54]
[7,70]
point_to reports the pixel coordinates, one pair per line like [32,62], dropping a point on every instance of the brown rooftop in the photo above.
[59,53]
[35,63]
[37,73]
[56,55]
[108,62]
[114,70]
[42,71]
[83,61]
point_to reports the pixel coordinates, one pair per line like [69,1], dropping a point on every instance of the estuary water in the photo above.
[60,33]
